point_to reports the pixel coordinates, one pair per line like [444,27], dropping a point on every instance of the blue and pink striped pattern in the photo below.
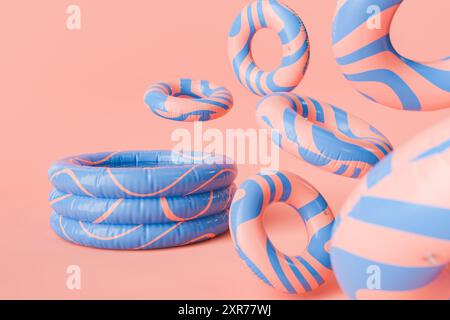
[291,274]
[189,100]
[294,38]
[322,134]
[141,211]
[139,200]
[141,174]
[139,237]
[398,222]
[368,59]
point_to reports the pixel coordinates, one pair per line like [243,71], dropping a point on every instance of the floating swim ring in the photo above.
[322,134]
[141,174]
[377,70]
[141,211]
[189,100]
[139,237]
[290,274]
[392,239]
[278,17]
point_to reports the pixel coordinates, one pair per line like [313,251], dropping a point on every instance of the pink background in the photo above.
[69,92]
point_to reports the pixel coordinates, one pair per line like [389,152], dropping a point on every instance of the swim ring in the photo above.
[366,55]
[294,38]
[290,274]
[188,100]
[322,134]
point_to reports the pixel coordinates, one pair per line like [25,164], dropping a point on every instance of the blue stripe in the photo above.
[342,169]
[215,103]
[206,88]
[262,19]
[237,26]
[289,60]
[402,90]
[379,172]
[287,187]
[354,13]
[289,117]
[271,252]
[351,271]
[440,78]
[313,208]
[250,68]
[258,82]
[418,219]
[356,173]
[292,23]
[156,100]
[271,186]
[316,247]
[311,270]
[371,49]
[342,124]
[334,148]
[305,109]
[320,116]
[274,87]
[165,85]
[443,147]
[298,274]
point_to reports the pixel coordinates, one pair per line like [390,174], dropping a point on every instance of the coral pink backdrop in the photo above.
[67,92]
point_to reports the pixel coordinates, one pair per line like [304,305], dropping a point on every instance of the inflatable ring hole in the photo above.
[419,28]
[266,49]
[286,229]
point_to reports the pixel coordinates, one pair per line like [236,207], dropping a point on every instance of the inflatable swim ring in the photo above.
[139,237]
[392,239]
[322,134]
[376,69]
[141,211]
[290,274]
[294,38]
[141,174]
[188,100]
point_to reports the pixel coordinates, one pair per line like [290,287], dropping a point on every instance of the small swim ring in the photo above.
[298,274]
[294,38]
[322,134]
[366,55]
[189,100]
[392,238]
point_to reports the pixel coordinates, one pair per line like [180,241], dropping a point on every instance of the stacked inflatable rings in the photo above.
[189,100]
[141,211]
[322,134]
[290,274]
[141,200]
[392,240]
[364,50]
[278,17]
